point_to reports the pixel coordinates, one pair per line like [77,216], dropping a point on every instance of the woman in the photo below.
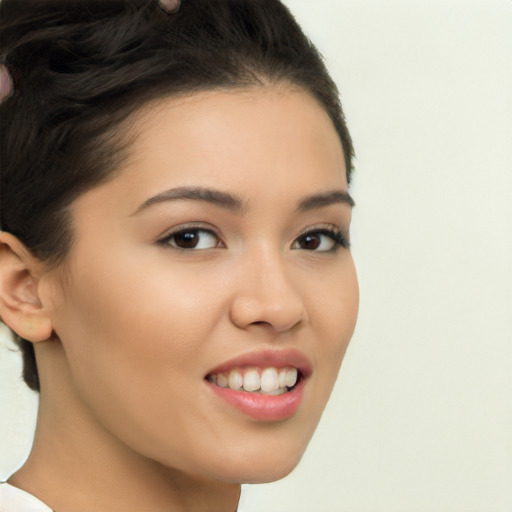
[175,247]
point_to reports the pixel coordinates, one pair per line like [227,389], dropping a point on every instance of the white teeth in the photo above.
[269,380]
[279,391]
[252,380]
[282,378]
[222,380]
[291,377]
[235,380]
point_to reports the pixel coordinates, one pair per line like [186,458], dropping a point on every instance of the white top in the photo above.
[13,499]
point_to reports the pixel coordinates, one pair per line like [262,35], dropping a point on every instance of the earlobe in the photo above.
[20,306]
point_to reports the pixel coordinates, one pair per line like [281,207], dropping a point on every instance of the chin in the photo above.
[260,468]
[267,475]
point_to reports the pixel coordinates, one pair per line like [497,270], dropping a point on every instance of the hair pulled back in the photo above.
[81,68]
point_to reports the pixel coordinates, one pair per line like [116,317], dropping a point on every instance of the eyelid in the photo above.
[188,226]
[337,233]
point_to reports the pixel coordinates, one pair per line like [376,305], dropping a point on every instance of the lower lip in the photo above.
[263,407]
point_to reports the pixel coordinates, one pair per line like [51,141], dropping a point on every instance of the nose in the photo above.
[266,295]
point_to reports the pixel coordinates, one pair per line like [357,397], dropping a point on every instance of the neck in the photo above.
[76,464]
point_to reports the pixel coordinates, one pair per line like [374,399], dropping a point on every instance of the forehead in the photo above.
[258,143]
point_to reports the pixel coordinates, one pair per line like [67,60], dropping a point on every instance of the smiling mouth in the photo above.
[265,381]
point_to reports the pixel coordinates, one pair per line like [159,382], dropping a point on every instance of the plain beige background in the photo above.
[421,417]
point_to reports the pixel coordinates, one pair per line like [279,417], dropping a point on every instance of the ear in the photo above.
[20,306]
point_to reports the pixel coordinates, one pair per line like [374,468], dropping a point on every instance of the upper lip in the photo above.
[281,358]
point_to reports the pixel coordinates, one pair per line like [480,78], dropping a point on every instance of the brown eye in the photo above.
[192,239]
[310,242]
[324,240]
[186,240]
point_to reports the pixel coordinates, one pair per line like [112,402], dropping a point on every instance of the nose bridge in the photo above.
[266,293]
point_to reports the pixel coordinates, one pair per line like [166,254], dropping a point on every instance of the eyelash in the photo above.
[336,235]
[166,240]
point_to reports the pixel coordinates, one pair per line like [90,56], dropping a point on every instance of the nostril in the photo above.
[263,311]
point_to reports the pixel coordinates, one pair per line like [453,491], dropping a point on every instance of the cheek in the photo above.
[333,316]
[136,307]
[134,345]
[334,307]
[131,330]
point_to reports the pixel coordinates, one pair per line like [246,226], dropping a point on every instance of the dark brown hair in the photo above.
[81,68]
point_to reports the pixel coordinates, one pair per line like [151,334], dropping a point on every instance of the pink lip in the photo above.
[269,358]
[260,406]
[263,407]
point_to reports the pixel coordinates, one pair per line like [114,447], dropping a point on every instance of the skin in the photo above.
[137,325]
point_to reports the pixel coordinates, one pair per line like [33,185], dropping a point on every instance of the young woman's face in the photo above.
[215,257]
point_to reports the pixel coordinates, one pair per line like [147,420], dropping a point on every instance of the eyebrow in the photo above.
[236,204]
[326,199]
[216,197]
